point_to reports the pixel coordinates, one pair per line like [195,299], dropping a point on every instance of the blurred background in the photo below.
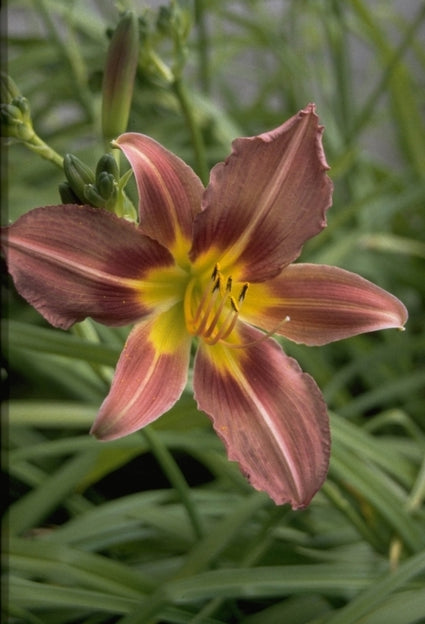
[159,526]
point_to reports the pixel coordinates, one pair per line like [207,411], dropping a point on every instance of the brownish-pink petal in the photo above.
[270,415]
[150,376]
[265,200]
[169,191]
[323,303]
[70,262]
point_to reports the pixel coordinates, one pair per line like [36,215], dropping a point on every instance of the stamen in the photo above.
[218,283]
[206,313]
[200,307]
[234,304]
[217,311]
[215,272]
[243,292]
[215,318]
[264,337]
[226,328]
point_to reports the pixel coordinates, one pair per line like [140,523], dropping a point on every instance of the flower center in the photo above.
[212,310]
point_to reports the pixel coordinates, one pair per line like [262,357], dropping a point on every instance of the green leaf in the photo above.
[34,507]
[368,601]
[27,336]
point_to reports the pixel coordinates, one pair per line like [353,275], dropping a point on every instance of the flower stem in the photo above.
[41,148]
[195,132]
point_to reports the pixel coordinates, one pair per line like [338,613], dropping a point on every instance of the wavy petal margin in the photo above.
[150,376]
[266,200]
[70,262]
[169,192]
[270,415]
[324,304]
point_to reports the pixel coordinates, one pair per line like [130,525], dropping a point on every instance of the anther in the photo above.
[217,283]
[215,272]
[243,292]
[234,304]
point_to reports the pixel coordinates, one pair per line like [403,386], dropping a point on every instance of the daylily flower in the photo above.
[210,266]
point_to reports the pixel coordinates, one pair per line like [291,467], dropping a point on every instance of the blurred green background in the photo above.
[159,526]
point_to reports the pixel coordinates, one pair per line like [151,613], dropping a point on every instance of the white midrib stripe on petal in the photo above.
[67,263]
[280,441]
[273,188]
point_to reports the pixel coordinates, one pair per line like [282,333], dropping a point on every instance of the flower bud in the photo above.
[9,90]
[120,72]
[175,21]
[16,120]
[106,185]
[108,164]
[15,111]
[78,175]
[92,196]
[67,195]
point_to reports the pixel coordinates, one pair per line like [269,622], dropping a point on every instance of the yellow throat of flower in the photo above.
[212,306]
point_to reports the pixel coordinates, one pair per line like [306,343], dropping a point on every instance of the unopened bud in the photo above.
[92,196]
[106,185]
[15,120]
[67,195]
[78,174]
[15,112]
[9,90]
[108,164]
[120,72]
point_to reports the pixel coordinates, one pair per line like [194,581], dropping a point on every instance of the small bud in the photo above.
[78,175]
[164,20]
[23,106]
[15,111]
[106,185]
[15,120]
[174,23]
[120,73]
[67,195]
[92,196]
[108,164]
[174,20]
[9,90]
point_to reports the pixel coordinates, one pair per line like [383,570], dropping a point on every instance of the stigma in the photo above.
[212,308]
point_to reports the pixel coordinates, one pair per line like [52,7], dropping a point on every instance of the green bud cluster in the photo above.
[84,186]
[16,122]
[102,188]
[103,191]
[15,114]
[174,21]
[172,24]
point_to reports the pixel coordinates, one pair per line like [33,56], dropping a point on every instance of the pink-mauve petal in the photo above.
[150,376]
[265,201]
[270,415]
[70,262]
[323,303]
[169,191]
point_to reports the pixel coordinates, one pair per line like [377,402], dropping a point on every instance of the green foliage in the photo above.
[159,526]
